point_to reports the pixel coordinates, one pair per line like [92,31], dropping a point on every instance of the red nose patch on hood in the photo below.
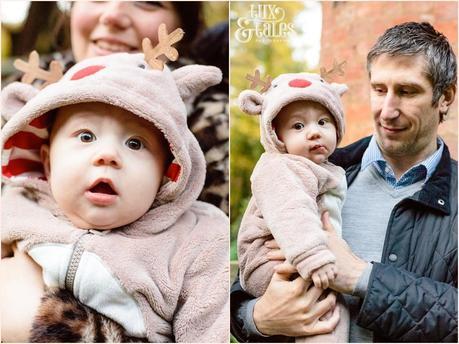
[299,83]
[86,71]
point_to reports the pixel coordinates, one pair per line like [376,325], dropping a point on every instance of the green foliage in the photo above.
[271,58]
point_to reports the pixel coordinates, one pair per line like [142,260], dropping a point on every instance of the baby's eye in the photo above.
[298,126]
[323,121]
[86,136]
[134,144]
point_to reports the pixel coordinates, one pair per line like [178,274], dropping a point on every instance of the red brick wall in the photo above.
[350,29]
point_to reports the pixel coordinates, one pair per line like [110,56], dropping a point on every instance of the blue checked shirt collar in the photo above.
[421,171]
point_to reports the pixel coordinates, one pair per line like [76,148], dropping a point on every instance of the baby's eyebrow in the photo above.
[78,122]
[74,120]
[296,117]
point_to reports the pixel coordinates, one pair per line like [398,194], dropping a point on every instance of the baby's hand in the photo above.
[324,275]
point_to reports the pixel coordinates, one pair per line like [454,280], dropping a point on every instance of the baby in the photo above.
[102,178]
[301,124]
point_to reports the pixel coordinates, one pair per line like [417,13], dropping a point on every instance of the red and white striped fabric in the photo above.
[21,152]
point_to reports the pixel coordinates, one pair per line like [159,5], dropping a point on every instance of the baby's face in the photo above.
[104,165]
[307,129]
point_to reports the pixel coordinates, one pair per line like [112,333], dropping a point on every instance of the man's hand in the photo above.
[289,308]
[349,267]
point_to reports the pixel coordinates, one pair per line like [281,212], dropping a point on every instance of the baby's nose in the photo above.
[313,135]
[107,158]
[313,132]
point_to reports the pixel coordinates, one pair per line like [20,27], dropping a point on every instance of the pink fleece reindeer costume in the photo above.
[289,192]
[164,276]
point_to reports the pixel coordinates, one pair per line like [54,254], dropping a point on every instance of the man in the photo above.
[399,272]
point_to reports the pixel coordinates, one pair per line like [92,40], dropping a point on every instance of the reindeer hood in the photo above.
[285,89]
[126,81]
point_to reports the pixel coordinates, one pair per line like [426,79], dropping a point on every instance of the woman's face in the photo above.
[107,27]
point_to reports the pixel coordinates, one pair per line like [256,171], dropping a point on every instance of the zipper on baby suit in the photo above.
[75,261]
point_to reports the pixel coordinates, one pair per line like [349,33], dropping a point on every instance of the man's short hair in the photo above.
[420,38]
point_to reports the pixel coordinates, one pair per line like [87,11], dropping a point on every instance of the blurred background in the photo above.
[323,32]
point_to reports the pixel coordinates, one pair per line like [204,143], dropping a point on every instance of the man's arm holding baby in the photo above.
[380,284]
[351,270]
[289,307]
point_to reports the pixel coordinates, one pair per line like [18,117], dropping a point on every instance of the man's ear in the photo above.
[44,156]
[447,98]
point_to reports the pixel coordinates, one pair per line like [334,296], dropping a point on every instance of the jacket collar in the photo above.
[436,191]
[351,154]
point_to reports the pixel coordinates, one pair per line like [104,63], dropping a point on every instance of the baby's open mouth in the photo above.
[103,188]
[102,193]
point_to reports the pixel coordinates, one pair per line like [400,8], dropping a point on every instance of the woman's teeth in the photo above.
[114,47]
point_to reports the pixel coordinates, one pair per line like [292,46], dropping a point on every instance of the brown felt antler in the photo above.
[337,69]
[164,47]
[33,71]
[256,81]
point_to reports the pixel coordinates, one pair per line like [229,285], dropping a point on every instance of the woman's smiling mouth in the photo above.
[110,46]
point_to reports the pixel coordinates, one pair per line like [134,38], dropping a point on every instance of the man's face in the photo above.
[405,121]
[104,165]
[307,129]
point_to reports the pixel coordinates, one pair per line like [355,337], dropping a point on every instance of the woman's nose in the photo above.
[115,15]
